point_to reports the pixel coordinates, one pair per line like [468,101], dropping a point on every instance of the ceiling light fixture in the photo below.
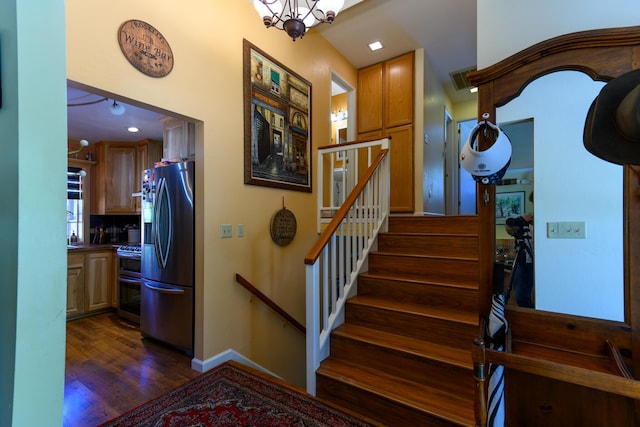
[296,16]
[376,45]
[133,129]
[116,109]
[473,90]
[83,143]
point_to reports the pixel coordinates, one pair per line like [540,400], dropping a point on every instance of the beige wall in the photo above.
[206,84]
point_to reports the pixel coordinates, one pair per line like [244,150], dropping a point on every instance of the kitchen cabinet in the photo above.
[90,280]
[98,280]
[386,108]
[148,152]
[118,174]
[179,139]
[75,284]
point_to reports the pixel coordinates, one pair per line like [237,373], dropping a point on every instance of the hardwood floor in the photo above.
[110,369]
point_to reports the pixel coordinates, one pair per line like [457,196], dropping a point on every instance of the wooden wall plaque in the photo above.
[145,48]
[283,227]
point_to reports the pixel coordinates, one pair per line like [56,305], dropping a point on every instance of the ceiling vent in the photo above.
[459,78]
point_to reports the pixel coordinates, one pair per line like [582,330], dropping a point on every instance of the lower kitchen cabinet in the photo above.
[90,282]
[75,285]
[98,279]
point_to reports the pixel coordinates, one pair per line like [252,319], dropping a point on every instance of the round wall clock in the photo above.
[283,227]
[145,48]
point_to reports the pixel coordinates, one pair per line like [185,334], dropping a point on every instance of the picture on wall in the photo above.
[277,123]
[509,205]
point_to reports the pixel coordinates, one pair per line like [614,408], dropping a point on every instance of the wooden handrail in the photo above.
[326,234]
[348,143]
[275,307]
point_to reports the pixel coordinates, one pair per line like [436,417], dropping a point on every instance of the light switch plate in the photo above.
[240,230]
[567,230]
[226,230]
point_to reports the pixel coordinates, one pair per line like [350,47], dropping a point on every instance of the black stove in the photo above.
[130,250]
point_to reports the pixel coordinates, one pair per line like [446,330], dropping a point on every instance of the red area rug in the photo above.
[232,395]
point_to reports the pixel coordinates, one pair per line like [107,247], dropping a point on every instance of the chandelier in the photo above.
[296,16]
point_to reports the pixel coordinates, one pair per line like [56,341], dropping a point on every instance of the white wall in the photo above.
[434,103]
[506,27]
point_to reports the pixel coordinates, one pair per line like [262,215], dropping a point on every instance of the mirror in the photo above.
[574,191]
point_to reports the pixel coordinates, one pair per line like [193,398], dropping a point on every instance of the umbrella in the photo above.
[496,331]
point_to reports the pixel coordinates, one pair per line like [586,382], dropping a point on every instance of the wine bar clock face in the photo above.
[145,48]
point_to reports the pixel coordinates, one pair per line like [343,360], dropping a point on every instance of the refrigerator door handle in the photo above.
[165,290]
[163,222]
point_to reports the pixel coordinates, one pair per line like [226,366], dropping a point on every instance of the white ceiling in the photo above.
[446,29]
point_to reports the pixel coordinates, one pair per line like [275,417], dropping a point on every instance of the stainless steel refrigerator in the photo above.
[167,264]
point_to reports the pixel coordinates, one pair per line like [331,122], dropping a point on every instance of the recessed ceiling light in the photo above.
[473,90]
[375,46]
[133,129]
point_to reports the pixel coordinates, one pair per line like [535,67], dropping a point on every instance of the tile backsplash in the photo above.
[115,227]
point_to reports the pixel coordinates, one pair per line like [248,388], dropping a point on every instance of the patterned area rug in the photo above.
[231,395]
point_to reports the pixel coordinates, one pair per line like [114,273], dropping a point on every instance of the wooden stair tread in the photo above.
[473,286]
[442,353]
[429,233]
[435,312]
[451,407]
[434,257]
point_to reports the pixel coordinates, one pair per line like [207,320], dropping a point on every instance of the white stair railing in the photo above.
[339,170]
[340,255]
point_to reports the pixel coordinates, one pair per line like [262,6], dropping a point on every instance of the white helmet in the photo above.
[490,165]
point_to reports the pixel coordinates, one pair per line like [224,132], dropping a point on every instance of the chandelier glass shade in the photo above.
[296,16]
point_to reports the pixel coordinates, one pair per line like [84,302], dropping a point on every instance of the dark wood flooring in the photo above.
[110,369]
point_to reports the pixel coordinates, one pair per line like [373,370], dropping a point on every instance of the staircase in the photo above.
[403,355]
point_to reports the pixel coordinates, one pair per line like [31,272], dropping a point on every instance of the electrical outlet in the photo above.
[226,230]
[240,230]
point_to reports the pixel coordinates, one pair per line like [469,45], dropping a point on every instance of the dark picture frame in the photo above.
[277,123]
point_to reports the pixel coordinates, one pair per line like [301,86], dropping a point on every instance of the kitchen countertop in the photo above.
[90,247]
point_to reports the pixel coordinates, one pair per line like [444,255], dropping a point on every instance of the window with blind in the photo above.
[74,204]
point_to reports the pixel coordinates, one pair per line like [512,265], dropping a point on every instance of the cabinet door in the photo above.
[179,139]
[98,280]
[370,98]
[120,170]
[75,285]
[398,91]
[401,159]
[147,153]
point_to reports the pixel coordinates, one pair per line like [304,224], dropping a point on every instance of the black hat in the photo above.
[612,127]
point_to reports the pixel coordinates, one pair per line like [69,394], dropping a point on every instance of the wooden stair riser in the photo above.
[389,412]
[426,294]
[441,331]
[420,368]
[463,224]
[429,269]
[420,244]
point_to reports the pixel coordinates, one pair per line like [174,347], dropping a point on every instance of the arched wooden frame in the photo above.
[603,55]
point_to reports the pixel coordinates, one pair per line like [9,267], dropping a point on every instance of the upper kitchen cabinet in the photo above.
[179,139]
[370,90]
[118,175]
[386,108]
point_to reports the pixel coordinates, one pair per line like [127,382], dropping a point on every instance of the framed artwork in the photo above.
[509,205]
[277,123]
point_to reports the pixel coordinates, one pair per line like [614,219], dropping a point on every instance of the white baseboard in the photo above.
[227,355]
